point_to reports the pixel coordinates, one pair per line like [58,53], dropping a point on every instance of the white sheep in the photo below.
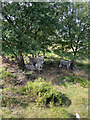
[37,62]
[65,63]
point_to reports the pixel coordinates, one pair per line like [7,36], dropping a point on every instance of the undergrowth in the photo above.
[4,74]
[75,79]
[44,93]
[39,92]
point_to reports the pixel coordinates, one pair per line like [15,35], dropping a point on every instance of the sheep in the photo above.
[65,63]
[68,64]
[32,60]
[38,66]
[37,62]
[42,61]
[29,66]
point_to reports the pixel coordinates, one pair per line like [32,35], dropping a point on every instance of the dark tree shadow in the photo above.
[66,102]
[31,77]
[73,117]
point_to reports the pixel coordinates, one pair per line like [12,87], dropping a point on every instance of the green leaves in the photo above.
[40,25]
[72,26]
[29,23]
[43,93]
[75,79]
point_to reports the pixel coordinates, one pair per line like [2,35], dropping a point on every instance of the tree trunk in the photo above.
[44,53]
[32,55]
[21,63]
[75,54]
[35,55]
[38,54]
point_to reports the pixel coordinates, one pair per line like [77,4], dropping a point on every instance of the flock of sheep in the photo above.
[37,63]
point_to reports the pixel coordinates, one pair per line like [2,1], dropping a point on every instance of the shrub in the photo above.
[11,97]
[4,74]
[40,92]
[83,82]
[75,79]
[43,93]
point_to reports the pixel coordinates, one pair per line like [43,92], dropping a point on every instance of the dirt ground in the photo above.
[50,72]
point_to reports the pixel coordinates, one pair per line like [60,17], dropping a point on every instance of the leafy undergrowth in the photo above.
[4,74]
[73,79]
[39,92]
[11,79]
[18,105]
[83,65]
[44,93]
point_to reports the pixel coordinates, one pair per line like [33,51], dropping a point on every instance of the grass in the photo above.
[78,95]
[84,64]
[79,104]
[73,79]
[79,98]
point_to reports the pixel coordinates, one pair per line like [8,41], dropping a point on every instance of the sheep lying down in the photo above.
[35,63]
[30,66]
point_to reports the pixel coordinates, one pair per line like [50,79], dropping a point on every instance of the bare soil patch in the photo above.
[50,72]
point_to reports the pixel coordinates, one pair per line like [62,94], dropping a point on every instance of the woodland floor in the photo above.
[50,72]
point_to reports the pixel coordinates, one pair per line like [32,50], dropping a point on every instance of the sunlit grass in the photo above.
[79,104]
[79,98]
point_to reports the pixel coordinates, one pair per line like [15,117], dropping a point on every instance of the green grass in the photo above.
[79,105]
[74,92]
[79,98]
[17,104]
[83,65]
[73,80]
[4,74]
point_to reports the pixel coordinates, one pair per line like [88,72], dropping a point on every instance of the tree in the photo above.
[73,28]
[30,28]
[24,26]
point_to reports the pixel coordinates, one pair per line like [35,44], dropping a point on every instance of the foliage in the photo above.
[31,28]
[78,96]
[73,28]
[83,65]
[76,79]
[11,98]
[40,92]
[6,74]
[43,93]
[27,31]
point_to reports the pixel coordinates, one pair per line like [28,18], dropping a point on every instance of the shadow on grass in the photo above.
[51,63]
[78,65]
[73,80]
[83,66]
[73,117]
[31,77]
[66,101]
[63,82]
[12,102]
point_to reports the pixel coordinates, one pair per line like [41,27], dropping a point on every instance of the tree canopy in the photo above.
[32,27]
